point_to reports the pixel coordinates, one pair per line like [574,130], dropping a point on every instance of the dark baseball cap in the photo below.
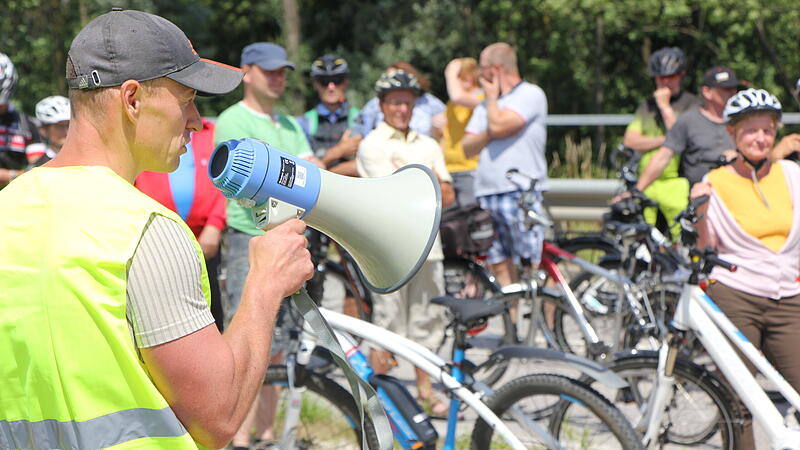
[720,76]
[133,45]
[266,55]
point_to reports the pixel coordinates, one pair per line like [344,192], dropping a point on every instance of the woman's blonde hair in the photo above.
[469,70]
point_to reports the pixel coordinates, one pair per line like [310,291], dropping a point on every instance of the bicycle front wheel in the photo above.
[580,418]
[328,414]
[700,413]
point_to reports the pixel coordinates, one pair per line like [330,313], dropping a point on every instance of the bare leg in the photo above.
[267,401]
[425,392]
[379,360]
[506,273]
[266,412]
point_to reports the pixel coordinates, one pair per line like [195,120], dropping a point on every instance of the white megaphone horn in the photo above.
[387,224]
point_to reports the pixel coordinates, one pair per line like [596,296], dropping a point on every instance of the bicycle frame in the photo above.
[550,254]
[697,312]
[438,368]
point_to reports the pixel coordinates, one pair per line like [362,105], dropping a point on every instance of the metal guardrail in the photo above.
[576,120]
[580,199]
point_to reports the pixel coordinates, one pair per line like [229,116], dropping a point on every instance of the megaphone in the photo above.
[387,224]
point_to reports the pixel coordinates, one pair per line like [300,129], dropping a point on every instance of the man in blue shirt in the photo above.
[328,125]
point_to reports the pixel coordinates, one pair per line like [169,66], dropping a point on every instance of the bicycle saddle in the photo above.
[469,311]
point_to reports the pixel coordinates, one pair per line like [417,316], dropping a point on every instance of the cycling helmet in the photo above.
[395,80]
[666,61]
[8,79]
[52,110]
[329,66]
[751,101]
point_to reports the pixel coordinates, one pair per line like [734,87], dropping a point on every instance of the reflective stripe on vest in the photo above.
[100,432]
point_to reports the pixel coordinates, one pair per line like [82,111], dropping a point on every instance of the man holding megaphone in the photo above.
[106,336]
[391,145]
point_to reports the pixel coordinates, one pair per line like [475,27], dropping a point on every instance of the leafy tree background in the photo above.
[589,56]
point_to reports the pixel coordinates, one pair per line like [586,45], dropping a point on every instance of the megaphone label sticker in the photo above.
[288,172]
[300,178]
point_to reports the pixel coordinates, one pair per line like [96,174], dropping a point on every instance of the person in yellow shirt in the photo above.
[461,76]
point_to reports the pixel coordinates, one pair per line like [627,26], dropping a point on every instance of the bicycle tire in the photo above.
[582,418]
[703,412]
[329,417]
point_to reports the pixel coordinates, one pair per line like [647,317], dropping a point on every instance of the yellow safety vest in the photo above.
[70,375]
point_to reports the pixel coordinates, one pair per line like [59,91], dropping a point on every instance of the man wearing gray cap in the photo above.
[106,336]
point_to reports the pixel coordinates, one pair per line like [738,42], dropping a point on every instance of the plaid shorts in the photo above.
[513,239]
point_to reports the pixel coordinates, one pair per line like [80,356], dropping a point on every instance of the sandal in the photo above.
[433,407]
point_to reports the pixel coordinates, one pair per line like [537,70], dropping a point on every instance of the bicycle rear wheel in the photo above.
[328,415]
[581,418]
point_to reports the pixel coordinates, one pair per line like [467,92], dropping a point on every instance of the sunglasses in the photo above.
[337,79]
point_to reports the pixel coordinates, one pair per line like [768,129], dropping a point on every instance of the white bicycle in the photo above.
[674,401]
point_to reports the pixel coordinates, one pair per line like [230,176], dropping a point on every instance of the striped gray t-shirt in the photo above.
[165,295]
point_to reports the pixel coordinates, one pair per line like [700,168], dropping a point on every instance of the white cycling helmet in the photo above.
[52,109]
[8,79]
[751,101]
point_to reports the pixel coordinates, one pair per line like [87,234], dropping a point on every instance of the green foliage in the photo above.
[589,56]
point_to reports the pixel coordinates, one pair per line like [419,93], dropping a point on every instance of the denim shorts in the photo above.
[513,239]
[237,265]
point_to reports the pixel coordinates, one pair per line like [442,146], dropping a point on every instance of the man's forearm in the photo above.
[642,143]
[348,168]
[474,143]
[249,337]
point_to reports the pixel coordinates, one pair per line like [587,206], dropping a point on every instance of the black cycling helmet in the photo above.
[751,101]
[329,66]
[396,80]
[666,61]
[8,79]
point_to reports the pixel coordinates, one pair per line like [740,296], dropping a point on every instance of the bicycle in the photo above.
[565,320]
[647,257]
[659,381]
[456,377]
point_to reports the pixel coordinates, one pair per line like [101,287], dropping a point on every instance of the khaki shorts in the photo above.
[408,311]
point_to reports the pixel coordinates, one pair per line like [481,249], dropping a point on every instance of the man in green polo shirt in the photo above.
[264,65]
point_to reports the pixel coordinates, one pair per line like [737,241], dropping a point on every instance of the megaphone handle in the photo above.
[365,397]
[274,213]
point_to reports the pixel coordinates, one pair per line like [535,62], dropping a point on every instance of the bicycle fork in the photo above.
[650,423]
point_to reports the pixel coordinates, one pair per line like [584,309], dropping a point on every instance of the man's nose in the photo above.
[194,123]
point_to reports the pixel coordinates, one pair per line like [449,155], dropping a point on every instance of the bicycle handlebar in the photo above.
[714,260]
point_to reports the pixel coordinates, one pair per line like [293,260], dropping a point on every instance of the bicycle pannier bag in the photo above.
[466,231]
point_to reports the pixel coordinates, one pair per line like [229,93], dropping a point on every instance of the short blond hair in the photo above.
[503,55]
[469,70]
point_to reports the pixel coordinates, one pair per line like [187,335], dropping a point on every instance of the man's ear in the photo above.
[131,93]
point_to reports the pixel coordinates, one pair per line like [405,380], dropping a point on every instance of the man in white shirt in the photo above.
[390,146]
